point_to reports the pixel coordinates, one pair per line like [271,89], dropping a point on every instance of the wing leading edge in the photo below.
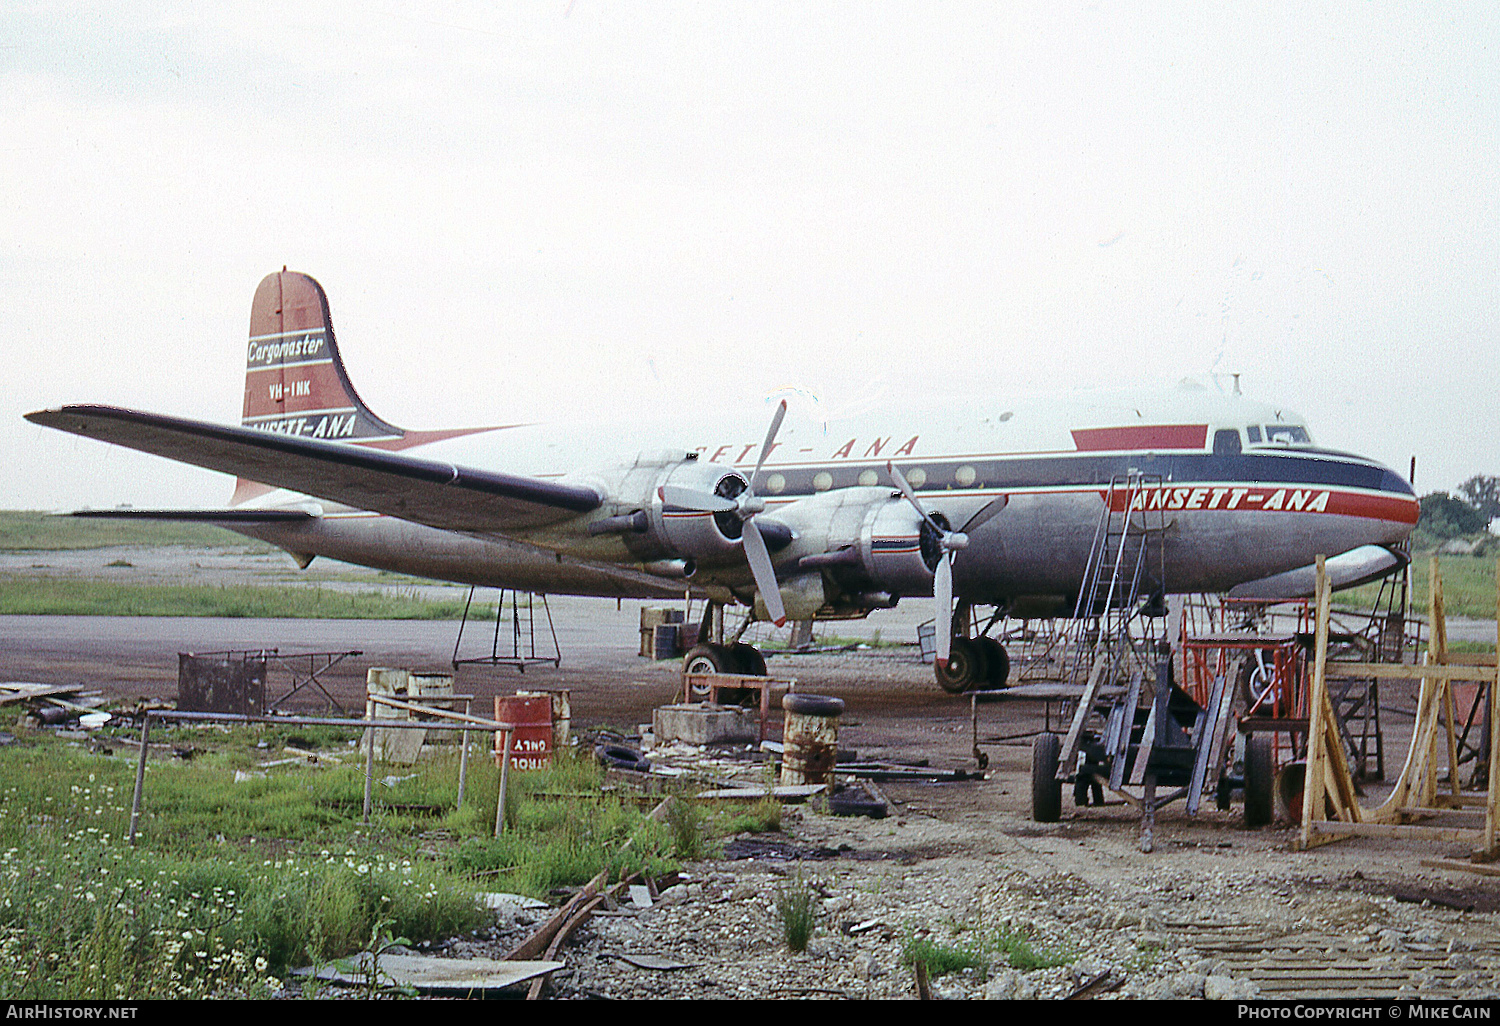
[430,492]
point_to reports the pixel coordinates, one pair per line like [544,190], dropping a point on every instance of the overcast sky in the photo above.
[525,210]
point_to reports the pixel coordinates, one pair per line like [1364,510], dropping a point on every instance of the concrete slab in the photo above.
[704,724]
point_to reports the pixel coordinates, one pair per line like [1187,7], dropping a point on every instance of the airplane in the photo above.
[802,520]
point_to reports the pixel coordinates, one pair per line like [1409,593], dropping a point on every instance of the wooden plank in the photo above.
[1438,810]
[1488,849]
[1404,671]
[1082,713]
[1395,830]
[20,691]
[1459,866]
[1314,787]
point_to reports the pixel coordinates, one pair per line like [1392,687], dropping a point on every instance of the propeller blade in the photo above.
[765,573]
[942,598]
[692,498]
[994,506]
[766,447]
[911,497]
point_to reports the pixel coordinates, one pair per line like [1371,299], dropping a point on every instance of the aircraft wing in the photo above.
[1346,570]
[202,516]
[427,492]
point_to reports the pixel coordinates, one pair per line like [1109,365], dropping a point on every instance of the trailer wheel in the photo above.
[1046,789]
[1260,779]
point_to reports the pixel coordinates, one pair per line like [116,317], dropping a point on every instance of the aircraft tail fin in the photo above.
[295,382]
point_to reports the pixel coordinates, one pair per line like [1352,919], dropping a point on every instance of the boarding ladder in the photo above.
[1125,561]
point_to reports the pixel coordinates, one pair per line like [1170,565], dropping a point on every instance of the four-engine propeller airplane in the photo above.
[812,521]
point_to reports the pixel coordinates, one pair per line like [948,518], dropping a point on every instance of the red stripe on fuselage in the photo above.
[1144,436]
[1268,498]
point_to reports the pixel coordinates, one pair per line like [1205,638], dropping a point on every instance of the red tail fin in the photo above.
[295,382]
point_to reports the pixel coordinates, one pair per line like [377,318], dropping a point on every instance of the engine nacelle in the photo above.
[706,538]
[899,549]
[652,531]
[865,540]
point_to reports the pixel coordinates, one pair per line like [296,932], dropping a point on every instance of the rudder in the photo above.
[295,382]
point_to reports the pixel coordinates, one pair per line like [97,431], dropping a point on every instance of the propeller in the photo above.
[950,542]
[745,507]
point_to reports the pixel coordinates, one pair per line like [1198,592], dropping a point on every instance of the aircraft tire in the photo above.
[996,663]
[1046,789]
[749,660]
[1260,777]
[964,669]
[709,659]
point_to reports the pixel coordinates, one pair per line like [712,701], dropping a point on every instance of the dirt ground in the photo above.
[1215,910]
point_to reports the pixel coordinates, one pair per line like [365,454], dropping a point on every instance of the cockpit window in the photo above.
[1287,434]
[1227,442]
[1253,431]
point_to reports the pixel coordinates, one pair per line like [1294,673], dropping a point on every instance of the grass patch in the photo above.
[60,596]
[232,883]
[942,959]
[762,817]
[1468,587]
[26,531]
[1004,945]
[1019,953]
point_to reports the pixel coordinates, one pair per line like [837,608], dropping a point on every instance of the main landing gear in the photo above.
[977,663]
[719,657]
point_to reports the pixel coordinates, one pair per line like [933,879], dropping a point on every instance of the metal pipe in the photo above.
[463,759]
[369,755]
[140,778]
[504,783]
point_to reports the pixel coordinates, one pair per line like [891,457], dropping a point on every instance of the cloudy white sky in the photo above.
[539,209]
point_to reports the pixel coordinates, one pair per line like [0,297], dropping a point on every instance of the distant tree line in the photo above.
[1446,516]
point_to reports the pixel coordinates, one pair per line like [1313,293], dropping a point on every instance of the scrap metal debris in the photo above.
[426,975]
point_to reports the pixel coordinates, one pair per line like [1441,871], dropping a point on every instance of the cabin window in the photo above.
[1254,432]
[1227,442]
[1287,434]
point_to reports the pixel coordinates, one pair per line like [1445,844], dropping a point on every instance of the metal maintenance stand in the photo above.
[523,650]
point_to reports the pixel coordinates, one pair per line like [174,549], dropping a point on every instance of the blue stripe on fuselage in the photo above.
[1016,472]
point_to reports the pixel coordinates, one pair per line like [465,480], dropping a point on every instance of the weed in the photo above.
[1005,944]
[763,816]
[689,826]
[942,959]
[1020,954]
[797,905]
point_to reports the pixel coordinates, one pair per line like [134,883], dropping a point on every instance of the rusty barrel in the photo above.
[810,736]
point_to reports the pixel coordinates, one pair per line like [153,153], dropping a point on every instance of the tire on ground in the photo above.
[1260,779]
[1046,789]
[749,660]
[996,663]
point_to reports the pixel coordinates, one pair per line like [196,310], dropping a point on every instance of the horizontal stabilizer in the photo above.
[1346,570]
[202,516]
[429,492]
